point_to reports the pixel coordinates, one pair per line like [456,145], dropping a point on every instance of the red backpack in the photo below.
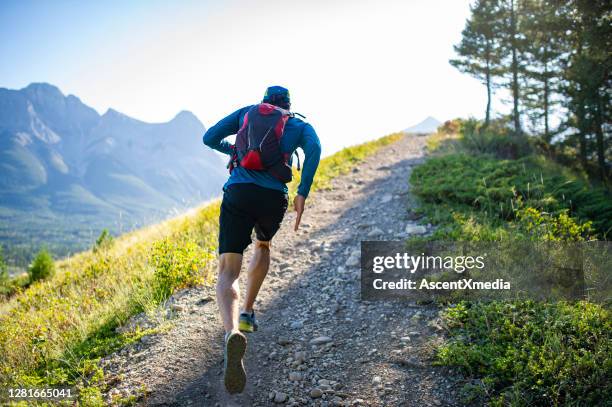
[258,142]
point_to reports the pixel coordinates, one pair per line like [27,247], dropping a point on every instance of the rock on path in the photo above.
[318,343]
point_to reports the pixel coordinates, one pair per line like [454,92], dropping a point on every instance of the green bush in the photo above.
[43,266]
[530,353]
[177,265]
[542,226]
[451,127]
[104,241]
[496,139]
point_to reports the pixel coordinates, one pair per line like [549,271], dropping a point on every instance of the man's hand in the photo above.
[298,206]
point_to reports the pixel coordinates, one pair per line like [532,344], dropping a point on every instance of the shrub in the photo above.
[42,267]
[177,265]
[496,139]
[104,241]
[450,127]
[545,226]
[537,354]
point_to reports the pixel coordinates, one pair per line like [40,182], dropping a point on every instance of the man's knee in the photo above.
[263,244]
[229,265]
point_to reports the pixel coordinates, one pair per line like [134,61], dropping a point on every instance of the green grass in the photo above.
[518,353]
[481,197]
[55,331]
[530,353]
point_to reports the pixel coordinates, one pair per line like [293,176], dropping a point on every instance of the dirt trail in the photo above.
[318,343]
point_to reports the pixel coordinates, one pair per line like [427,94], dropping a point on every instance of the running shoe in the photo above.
[248,322]
[234,375]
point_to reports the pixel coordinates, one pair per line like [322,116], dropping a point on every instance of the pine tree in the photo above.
[478,51]
[544,25]
[42,267]
[589,85]
[512,43]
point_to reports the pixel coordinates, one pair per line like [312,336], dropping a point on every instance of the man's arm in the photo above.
[312,153]
[227,126]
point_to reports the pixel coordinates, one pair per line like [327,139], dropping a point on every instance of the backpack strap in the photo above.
[301,132]
[298,158]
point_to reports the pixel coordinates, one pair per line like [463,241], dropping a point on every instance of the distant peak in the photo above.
[74,98]
[112,112]
[429,125]
[184,115]
[113,116]
[186,118]
[430,120]
[43,87]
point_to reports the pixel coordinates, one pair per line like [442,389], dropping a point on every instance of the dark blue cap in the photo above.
[278,96]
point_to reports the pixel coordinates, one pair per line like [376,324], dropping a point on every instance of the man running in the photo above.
[254,199]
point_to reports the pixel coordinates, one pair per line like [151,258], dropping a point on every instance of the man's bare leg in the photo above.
[258,269]
[228,296]
[228,290]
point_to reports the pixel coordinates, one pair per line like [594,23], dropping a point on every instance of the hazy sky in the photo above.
[356,69]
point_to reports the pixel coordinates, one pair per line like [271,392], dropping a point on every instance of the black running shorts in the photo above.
[248,206]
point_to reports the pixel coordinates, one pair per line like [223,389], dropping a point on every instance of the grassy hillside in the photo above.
[489,186]
[54,332]
[490,192]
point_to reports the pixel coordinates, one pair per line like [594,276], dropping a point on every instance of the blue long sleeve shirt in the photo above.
[297,134]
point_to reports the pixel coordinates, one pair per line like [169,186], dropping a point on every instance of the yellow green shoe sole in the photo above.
[244,326]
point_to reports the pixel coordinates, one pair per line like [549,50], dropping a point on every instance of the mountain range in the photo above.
[61,161]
